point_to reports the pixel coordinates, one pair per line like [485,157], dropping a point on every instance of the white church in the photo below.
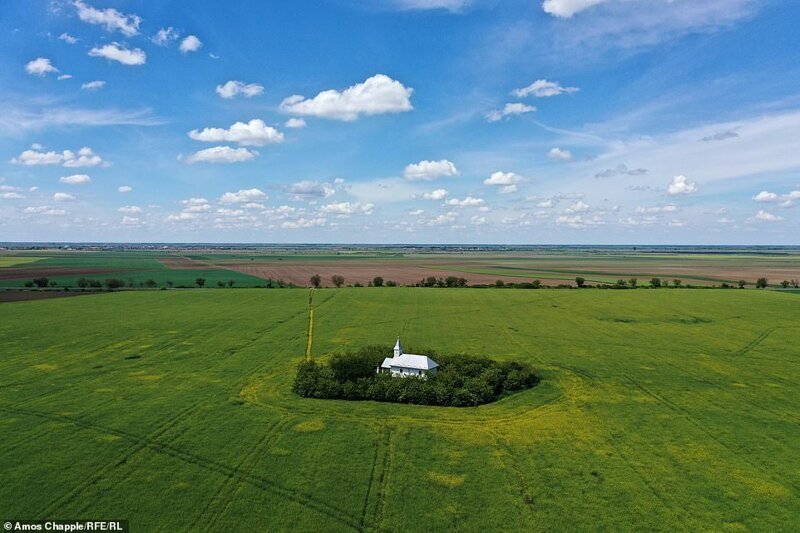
[407,364]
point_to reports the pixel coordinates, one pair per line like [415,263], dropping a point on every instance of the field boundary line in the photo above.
[372,515]
[755,342]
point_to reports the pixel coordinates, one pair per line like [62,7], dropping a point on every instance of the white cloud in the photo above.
[578,207]
[110,19]
[93,85]
[568,8]
[84,158]
[11,196]
[558,154]
[669,208]
[764,216]
[680,185]
[416,212]
[190,44]
[295,123]
[67,38]
[165,36]
[546,204]
[41,66]
[347,208]
[510,109]
[182,217]
[438,194]
[543,89]
[63,197]
[306,189]
[129,221]
[469,201]
[45,210]
[75,179]
[130,209]
[304,223]
[253,133]
[63,77]
[765,196]
[233,88]
[243,196]
[430,170]
[477,220]
[120,53]
[507,181]
[124,188]
[377,95]
[221,154]
[620,170]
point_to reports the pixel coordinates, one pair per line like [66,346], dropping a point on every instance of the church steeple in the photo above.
[398,348]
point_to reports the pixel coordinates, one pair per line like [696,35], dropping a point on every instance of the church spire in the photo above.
[398,348]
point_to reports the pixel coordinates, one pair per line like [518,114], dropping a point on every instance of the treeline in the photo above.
[461,380]
[118,283]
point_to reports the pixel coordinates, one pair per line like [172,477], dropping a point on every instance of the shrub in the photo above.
[761,283]
[461,381]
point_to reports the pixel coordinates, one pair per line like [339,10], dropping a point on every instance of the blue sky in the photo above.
[401,121]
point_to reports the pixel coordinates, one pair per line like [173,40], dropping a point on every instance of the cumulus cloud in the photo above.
[130,221]
[130,209]
[253,133]
[124,189]
[377,95]
[543,89]
[63,197]
[681,185]
[308,189]
[764,216]
[438,194]
[120,53]
[85,157]
[669,208]
[233,88]
[568,8]
[45,210]
[509,110]
[242,196]
[477,220]
[41,66]
[63,77]
[165,36]
[11,196]
[506,181]
[295,123]
[347,208]
[110,19]
[578,207]
[430,170]
[75,179]
[303,223]
[765,196]
[182,217]
[786,200]
[190,43]
[93,85]
[469,201]
[67,38]
[557,154]
[221,154]
[621,170]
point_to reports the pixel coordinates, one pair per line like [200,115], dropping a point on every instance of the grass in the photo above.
[14,261]
[658,410]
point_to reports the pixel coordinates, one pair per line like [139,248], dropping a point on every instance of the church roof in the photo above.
[410,360]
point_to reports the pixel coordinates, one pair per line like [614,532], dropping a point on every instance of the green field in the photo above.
[657,411]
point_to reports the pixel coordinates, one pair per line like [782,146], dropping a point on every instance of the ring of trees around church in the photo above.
[461,380]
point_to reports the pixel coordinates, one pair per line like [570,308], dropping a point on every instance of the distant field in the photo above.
[12,261]
[658,411]
[479,268]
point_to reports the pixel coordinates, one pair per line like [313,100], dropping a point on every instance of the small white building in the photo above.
[408,364]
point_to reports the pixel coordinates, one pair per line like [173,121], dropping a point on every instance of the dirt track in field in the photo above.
[184,263]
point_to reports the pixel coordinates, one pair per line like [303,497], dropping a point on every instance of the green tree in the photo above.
[114,283]
[41,282]
[761,283]
[337,280]
[151,283]
[742,283]
[655,283]
[676,282]
[200,282]
[377,281]
[315,281]
[499,283]
[231,283]
[579,281]
[785,284]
